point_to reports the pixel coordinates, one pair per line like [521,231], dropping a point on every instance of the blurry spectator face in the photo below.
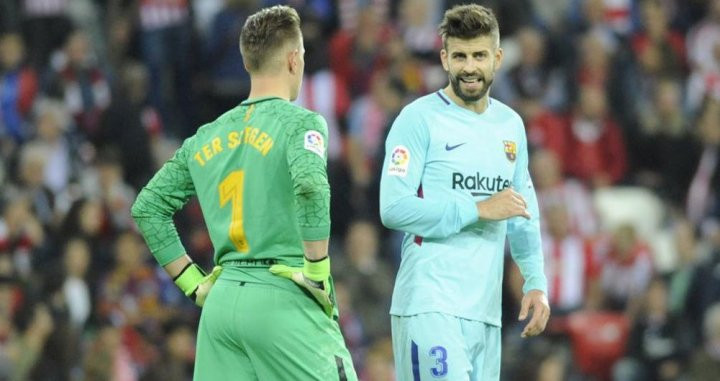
[77,258]
[415,12]
[471,65]
[387,95]
[91,217]
[685,241]
[120,32]
[51,121]
[593,104]
[135,80]
[368,31]
[594,53]
[129,251]
[379,363]
[78,49]
[709,122]
[17,213]
[594,11]
[7,290]
[657,296]
[109,339]
[667,98]
[532,46]
[715,9]
[11,51]
[180,343]
[625,240]
[362,243]
[712,331]
[546,169]
[343,297]
[7,267]
[651,59]
[32,166]
[110,173]
[557,220]
[654,19]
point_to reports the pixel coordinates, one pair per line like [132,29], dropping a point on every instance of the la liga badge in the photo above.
[314,142]
[399,161]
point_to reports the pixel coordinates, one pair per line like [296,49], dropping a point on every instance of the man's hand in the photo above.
[195,284]
[536,301]
[502,205]
[313,276]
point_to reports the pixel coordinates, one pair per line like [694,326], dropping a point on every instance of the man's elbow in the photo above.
[386,219]
[307,186]
[389,217]
[136,209]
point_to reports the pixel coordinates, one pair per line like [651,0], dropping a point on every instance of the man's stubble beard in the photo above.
[455,83]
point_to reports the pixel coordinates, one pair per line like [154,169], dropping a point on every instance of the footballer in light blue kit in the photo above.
[455,180]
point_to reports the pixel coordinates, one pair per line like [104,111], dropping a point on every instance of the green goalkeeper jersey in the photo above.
[259,172]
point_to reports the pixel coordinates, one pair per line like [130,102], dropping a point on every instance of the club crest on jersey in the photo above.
[510,150]
[314,142]
[399,161]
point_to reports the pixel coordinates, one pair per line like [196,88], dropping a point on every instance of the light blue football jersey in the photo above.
[441,159]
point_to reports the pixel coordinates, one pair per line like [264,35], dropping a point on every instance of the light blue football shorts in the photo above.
[436,346]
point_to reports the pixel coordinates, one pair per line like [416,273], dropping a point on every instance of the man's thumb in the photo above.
[524,307]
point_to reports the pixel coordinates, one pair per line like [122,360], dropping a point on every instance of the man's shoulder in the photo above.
[504,111]
[298,117]
[427,102]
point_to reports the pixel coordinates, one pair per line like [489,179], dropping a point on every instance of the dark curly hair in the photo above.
[468,21]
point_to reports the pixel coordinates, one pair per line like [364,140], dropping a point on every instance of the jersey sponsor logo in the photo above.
[314,142]
[479,185]
[510,150]
[399,161]
[448,147]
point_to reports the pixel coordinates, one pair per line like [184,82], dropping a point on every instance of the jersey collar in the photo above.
[259,99]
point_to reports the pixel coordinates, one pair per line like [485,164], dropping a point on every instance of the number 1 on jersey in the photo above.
[231,189]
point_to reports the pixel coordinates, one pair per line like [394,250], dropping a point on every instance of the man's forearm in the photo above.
[315,250]
[175,267]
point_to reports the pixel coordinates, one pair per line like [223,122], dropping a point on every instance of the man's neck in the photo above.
[478,106]
[268,86]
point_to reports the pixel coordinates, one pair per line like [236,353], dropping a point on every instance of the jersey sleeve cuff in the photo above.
[317,233]
[536,283]
[169,253]
[468,212]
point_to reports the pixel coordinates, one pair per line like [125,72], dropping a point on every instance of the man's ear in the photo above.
[292,60]
[444,59]
[498,58]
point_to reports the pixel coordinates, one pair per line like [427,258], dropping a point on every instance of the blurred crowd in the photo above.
[621,102]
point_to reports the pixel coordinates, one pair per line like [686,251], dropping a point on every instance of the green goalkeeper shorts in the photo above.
[255,326]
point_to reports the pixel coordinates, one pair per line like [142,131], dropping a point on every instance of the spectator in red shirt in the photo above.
[570,264]
[596,148]
[77,79]
[656,35]
[627,270]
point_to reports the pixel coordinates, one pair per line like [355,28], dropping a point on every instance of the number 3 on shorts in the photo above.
[231,189]
[439,353]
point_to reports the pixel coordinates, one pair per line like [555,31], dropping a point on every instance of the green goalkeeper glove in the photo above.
[195,284]
[314,277]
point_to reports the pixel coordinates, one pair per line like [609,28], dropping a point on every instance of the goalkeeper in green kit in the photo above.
[259,172]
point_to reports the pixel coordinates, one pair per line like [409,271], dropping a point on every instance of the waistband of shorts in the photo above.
[254,274]
[258,262]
